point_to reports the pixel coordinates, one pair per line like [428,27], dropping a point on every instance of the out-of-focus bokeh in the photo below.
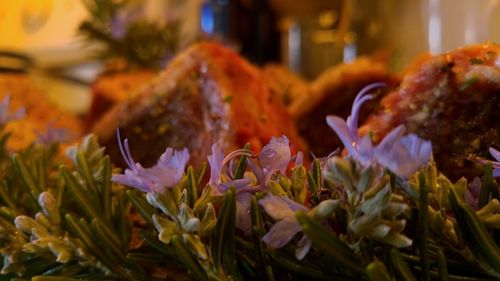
[307,37]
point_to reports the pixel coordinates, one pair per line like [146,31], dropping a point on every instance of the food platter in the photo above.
[204,165]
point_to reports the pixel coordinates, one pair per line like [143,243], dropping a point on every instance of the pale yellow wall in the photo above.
[56,28]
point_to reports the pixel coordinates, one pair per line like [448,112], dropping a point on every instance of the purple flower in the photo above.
[495,164]
[222,181]
[472,193]
[276,155]
[53,134]
[5,115]
[299,159]
[215,161]
[167,172]
[359,148]
[282,210]
[403,155]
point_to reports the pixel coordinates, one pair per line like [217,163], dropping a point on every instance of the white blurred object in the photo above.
[455,23]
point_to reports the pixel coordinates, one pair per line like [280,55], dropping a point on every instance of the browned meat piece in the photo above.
[286,84]
[452,100]
[111,88]
[333,93]
[207,94]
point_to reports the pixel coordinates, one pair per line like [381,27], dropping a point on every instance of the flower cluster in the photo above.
[6,115]
[402,155]
[259,216]
[167,172]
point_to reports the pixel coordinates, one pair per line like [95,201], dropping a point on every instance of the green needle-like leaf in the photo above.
[400,266]
[5,195]
[106,190]
[442,267]
[80,194]
[141,205]
[423,224]
[189,261]
[377,271]
[242,164]
[192,187]
[26,176]
[487,186]
[225,252]
[327,242]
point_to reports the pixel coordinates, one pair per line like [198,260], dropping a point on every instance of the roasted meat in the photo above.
[113,87]
[451,99]
[207,94]
[286,84]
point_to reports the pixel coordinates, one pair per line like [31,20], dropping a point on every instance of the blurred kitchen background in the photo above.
[40,37]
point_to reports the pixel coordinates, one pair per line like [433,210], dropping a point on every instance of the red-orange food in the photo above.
[207,94]
[40,113]
[451,99]
[333,93]
[115,87]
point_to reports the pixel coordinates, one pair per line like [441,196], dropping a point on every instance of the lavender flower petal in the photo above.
[403,155]
[343,132]
[282,232]
[241,185]
[472,193]
[5,115]
[130,178]
[53,135]
[167,172]
[258,172]
[495,153]
[243,219]
[170,167]
[276,155]
[279,207]
[299,159]
[215,160]
[494,164]
[283,209]
[365,151]
[352,120]
[496,173]
[303,247]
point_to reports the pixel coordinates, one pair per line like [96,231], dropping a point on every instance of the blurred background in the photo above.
[57,41]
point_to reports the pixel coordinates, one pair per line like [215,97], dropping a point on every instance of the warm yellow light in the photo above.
[39,23]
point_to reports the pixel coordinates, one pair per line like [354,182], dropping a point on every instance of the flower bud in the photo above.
[325,209]
[49,207]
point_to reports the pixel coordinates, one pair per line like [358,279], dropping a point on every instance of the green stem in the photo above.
[27,177]
[423,223]
[327,242]
[142,206]
[242,164]
[192,188]
[4,193]
[89,179]
[442,267]
[80,194]
[106,189]
[190,263]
